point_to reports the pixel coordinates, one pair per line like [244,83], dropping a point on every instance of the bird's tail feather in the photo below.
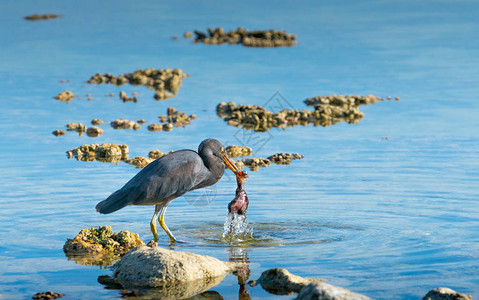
[116,201]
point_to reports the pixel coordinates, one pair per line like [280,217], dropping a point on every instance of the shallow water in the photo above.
[390,218]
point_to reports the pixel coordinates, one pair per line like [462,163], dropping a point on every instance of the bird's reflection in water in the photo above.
[240,255]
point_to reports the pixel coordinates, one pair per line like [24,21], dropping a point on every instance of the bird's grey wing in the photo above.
[166,179]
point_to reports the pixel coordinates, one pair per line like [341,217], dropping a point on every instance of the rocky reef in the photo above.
[103,152]
[328,110]
[165,82]
[100,246]
[255,163]
[96,122]
[253,38]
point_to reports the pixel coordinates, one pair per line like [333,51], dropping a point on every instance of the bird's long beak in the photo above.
[230,164]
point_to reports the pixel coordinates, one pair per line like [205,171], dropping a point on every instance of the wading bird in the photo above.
[169,177]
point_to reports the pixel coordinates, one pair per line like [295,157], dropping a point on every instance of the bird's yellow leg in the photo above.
[161,220]
[153,224]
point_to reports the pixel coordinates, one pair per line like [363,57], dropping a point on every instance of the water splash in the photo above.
[236,228]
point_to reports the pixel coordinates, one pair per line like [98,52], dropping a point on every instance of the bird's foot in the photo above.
[152,244]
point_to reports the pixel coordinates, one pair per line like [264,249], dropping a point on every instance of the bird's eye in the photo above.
[222,149]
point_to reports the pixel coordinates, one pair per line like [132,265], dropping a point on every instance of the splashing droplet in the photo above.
[236,227]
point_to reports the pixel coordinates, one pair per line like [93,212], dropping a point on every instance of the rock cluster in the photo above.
[237,151]
[165,82]
[155,154]
[101,244]
[94,131]
[58,132]
[254,38]
[125,98]
[172,119]
[47,296]
[328,110]
[284,158]
[125,124]
[103,152]
[37,17]
[65,96]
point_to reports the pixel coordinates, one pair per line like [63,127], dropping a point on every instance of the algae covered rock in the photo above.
[157,267]
[237,151]
[254,38]
[100,245]
[165,82]
[78,127]
[65,96]
[284,158]
[444,293]
[155,154]
[255,163]
[139,161]
[328,110]
[172,119]
[103,152]
[125,124]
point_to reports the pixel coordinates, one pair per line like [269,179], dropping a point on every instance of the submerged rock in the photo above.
[280,281]
[157,267]
[103,152]
[94,131]
[65,96]
[125,124]
[237,151]
[443,293]
[324,291]
[100,246]
[37,17]
[254,38]
[165,82]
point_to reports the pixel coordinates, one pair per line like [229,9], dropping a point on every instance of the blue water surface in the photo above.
[387,207]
